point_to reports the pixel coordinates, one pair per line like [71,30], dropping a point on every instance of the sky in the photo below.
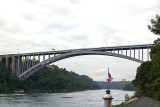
[43,25]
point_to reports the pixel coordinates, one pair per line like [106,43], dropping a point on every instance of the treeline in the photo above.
[48,79]
[129,87]
[8,81]
[147,79]
[121,85]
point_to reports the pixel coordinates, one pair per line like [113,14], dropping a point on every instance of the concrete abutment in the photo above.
[12,62]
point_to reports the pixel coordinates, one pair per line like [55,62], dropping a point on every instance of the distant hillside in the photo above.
[129,87]
[48,79]
[53,78]
[114,84]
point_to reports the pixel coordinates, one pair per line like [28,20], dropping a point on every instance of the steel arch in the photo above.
[46,62]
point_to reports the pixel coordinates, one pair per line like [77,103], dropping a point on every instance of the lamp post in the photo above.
[107,99]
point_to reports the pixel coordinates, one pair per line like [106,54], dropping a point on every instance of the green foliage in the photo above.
[143,80]
[155,27]
[127,98]
[147,79]
[53,78]
[155,60]
[48,79]
[8,81]
[129,87]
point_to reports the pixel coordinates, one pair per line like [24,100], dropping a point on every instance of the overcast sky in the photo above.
[41,25]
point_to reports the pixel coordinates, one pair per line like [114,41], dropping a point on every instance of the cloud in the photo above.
[75,1]
[61,27]
[101,72]
[29,16]
[9,27]
[80,37]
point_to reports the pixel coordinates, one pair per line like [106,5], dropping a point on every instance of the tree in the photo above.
[143,80]
[8,81]
[155,70]
[155,27]
[48,79]
[53,78]
[147,79]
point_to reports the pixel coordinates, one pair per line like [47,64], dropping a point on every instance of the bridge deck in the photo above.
[114,48]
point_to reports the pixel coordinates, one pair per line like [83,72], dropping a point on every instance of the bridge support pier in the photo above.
[19,65]
[13,65]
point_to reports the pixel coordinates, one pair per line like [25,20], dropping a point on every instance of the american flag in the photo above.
[109,77]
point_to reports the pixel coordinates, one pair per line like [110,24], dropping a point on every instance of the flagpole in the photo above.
[108,91]
[108,81]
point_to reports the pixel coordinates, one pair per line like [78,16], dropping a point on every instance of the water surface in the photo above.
[89,98]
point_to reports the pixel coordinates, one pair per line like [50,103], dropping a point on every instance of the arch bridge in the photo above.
[25,64]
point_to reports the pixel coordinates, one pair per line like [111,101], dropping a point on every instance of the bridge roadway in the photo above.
[113,48]
[25,64]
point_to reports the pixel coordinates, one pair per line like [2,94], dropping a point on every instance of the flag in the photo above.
[109,77]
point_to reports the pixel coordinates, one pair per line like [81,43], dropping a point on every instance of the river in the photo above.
[89,98]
